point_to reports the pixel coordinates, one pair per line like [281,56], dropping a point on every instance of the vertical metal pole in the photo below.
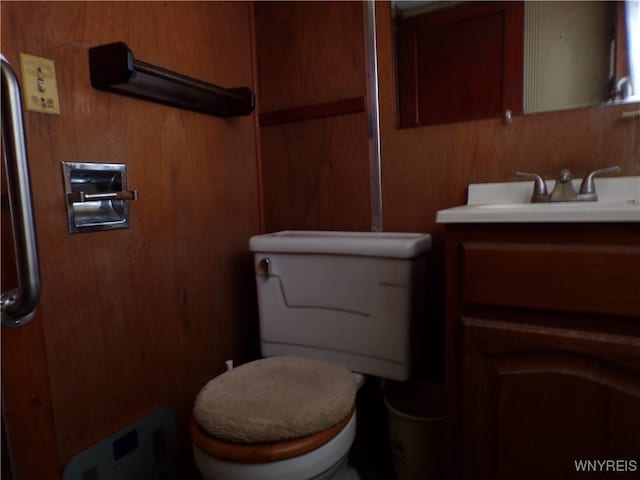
[373,117]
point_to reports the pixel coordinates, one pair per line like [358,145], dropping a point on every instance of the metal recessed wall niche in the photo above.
[96,196]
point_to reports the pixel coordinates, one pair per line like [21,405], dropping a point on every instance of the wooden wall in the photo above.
[135,319]
[315,170]
[427,169]
[315,164]
[139,318]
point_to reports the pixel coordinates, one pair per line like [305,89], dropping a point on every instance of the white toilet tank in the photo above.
[342,297]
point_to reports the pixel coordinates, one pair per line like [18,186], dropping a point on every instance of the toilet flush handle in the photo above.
[265,267]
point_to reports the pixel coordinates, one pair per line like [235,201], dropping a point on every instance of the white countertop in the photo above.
[510,202]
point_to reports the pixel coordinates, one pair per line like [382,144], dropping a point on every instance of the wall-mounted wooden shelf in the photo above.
[114,68]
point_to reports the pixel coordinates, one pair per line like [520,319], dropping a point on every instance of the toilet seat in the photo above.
[274,400]
[263,452]
[275,418]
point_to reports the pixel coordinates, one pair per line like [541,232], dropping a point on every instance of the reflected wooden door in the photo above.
[461,63]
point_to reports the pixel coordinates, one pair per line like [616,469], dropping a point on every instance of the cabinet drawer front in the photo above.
[574,278]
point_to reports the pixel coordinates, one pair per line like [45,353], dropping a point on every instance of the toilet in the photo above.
[333,306]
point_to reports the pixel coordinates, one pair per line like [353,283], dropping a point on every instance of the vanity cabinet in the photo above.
[543,350]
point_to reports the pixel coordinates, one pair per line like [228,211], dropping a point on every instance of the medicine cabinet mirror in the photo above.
[469,60]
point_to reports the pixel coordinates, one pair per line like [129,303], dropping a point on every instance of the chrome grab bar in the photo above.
[81,197]
[18,304]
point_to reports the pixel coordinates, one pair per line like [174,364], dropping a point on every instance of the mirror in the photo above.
[466,60]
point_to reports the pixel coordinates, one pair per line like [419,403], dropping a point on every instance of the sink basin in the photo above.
[509,202]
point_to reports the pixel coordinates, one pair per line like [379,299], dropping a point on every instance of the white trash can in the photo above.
[416,429]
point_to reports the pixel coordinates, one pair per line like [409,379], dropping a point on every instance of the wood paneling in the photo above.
[308,53]
[309,112]
[427,169]
[315,174]
[315,167]
[139,318]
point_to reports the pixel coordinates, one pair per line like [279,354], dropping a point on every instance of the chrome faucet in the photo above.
[563,191]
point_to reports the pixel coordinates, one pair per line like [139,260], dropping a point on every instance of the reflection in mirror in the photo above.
[575,55]
[469,60]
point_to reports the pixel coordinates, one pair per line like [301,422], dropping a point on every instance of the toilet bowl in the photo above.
[326,462]
[329,303]
[276,418]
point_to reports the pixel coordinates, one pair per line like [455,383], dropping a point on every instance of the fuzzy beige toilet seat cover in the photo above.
[275,399]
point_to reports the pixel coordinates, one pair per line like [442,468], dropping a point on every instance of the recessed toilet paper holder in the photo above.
[96,196]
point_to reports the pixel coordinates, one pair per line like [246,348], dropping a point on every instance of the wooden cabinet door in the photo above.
[536,401]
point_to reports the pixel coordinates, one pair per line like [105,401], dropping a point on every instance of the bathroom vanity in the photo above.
[543,346]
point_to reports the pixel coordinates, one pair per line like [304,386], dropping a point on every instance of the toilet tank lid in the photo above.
[371,244]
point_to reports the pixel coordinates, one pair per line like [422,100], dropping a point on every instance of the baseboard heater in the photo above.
[113,68]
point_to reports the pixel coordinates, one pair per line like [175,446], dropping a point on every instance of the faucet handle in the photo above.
[540,192]
[588,189]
